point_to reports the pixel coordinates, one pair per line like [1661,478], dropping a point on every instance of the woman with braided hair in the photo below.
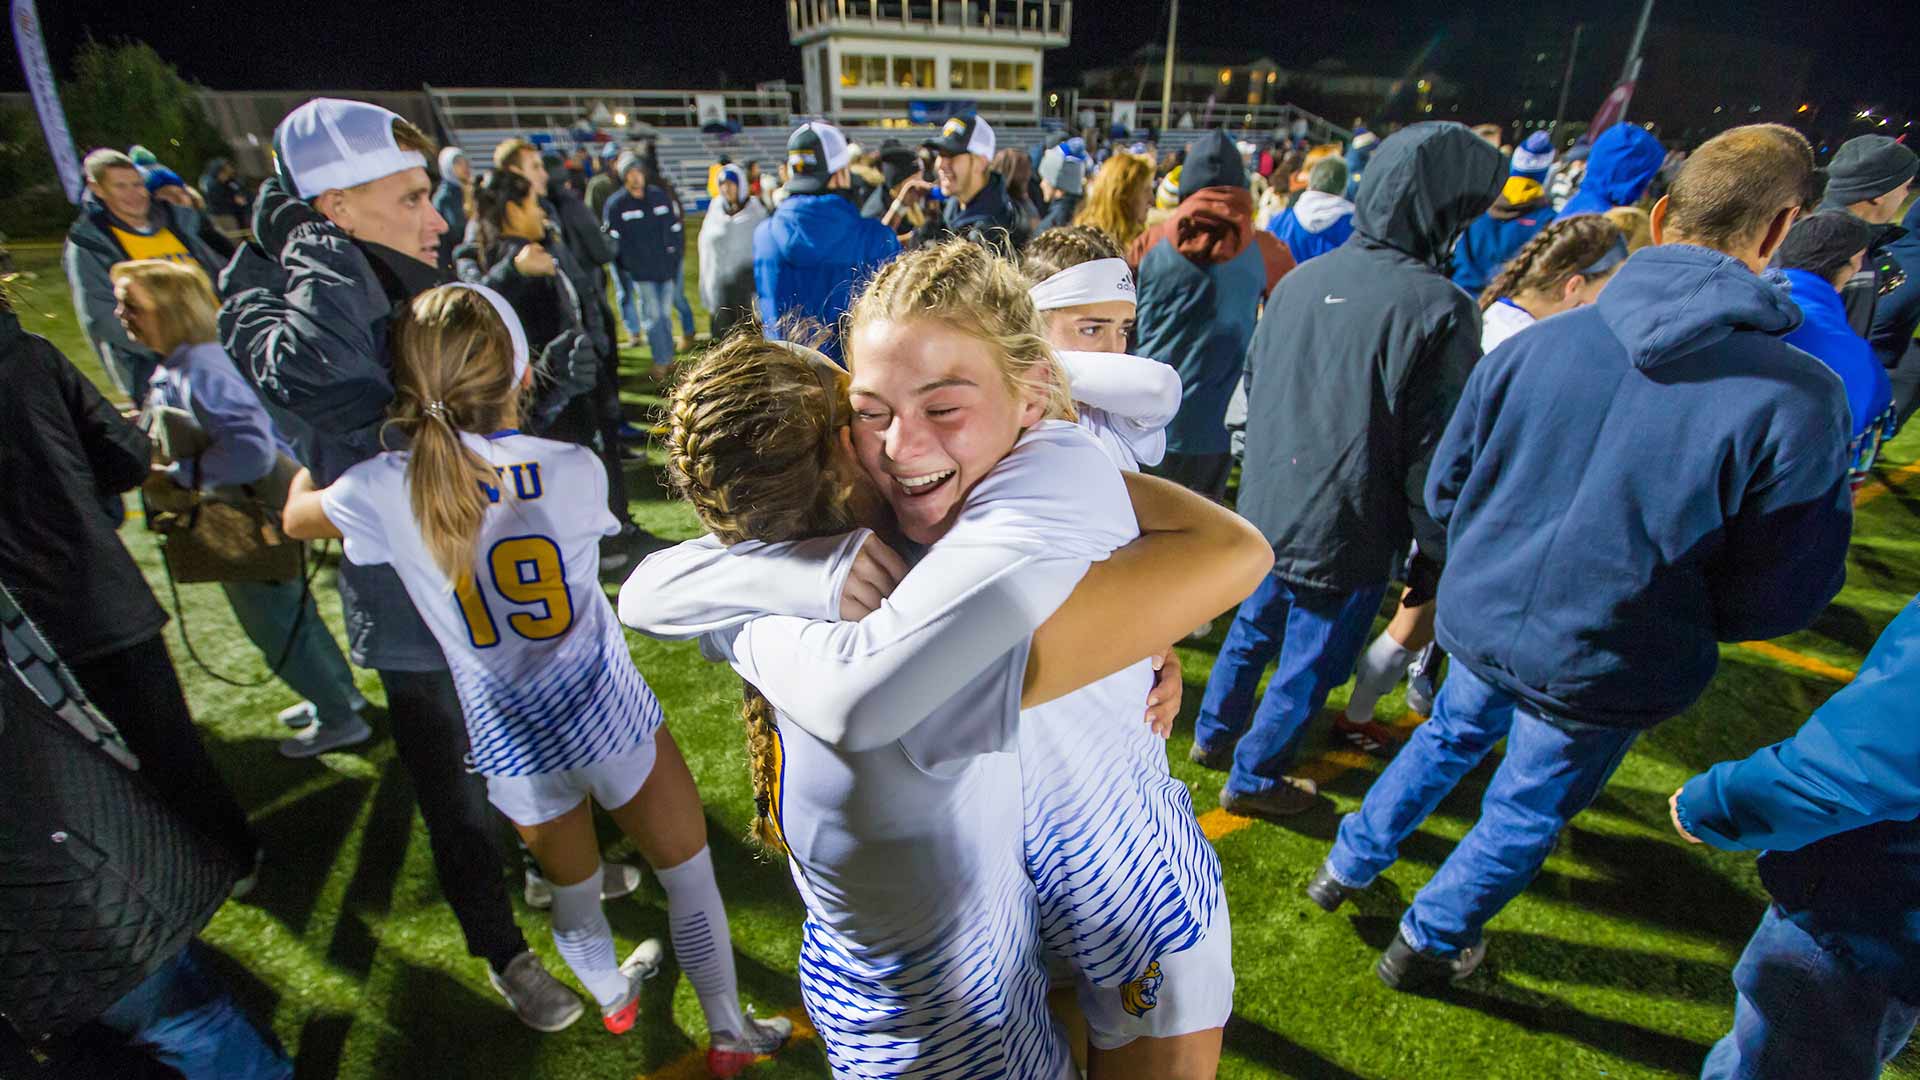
[495,535]
[1563,267]
[934,868]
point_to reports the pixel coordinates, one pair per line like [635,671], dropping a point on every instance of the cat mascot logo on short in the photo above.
[1143,993]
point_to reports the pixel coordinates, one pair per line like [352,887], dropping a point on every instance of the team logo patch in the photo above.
[802,160]
[1142,994]
[955,126]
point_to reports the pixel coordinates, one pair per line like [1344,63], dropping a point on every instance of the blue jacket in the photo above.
[1495,237]
[1625,159]
[808,257]
[1627,484]
[1896,314]
[647,229]
[1826,335]
[1836,811]
[1315,228]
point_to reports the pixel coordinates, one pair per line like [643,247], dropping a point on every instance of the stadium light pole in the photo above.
[1566,84]
[1166,76]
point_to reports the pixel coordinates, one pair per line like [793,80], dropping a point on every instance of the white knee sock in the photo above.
[697,922]
[1379,671]
[585,940]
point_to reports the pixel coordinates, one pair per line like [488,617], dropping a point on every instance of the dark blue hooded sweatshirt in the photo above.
[1627,484]
[809,255]
[1625,159]
[1897,313]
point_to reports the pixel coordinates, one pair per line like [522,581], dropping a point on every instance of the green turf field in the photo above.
[1614,964]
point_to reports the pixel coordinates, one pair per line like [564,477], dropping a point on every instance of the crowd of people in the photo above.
[964,405]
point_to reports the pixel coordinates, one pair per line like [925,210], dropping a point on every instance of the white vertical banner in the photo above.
[46,96]
[710,108]
[1123,112]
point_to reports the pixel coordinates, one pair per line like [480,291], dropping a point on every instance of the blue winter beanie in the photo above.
[1534,157]
[159,176]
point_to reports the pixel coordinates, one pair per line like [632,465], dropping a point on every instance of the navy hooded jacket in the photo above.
[1627,484]
[1625,159]
[808,257]
[1897,312]
[1836,809]
[1826,336]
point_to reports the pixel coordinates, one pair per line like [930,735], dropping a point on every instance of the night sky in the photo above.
[1864,52]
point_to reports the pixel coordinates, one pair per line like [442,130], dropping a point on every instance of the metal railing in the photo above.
[1264,117]
[1047,22]
[561,110]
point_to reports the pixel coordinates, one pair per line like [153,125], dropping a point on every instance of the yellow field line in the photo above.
[1325,769]
[1800,660]
[693,1063]
[1884,483]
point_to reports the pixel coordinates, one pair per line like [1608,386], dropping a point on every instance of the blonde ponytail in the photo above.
[452,372]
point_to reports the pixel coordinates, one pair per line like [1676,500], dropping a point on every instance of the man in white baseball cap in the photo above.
[808,255]
[345,235]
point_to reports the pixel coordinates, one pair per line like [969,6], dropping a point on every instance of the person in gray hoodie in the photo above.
[726,252]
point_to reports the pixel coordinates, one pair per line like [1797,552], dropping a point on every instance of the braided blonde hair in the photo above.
[974,291]
[751,426]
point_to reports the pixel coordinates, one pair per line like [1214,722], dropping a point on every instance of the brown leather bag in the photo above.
[233,535]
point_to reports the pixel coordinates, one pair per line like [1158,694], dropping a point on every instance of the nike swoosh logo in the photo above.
[1332,299]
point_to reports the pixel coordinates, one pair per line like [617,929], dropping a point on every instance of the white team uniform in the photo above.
[555,708]
[1127,886]
[1500,321]
[1125,401]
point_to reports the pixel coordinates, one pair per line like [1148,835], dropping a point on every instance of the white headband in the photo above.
[1093,282]
[522,357]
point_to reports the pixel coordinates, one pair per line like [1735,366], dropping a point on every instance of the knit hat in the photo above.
[142,156]
[1212,161]
[1063,172]
[333,143]
[610,149]
[1167,195]
[626,161]
[1364,139]
[1534,157]
[449,155]
[815,151]
[1328,175]
[1868,167]
[1823,243]
[159,176]
[734,173]
[965,135]
[897,162]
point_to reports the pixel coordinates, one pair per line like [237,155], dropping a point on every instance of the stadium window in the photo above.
[850,67]
[1013,77]
[876,71]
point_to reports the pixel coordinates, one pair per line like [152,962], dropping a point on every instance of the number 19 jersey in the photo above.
[538,658]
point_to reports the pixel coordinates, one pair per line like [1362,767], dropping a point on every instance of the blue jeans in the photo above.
[624,296]
[680,302]
[315,669]
[655,301]
[186,1018]
[1803,1011]
[1551,772]
[1316,636]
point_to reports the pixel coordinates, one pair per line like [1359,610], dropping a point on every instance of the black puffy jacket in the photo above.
[100,883]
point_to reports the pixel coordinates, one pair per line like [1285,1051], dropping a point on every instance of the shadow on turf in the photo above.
[1271,1049]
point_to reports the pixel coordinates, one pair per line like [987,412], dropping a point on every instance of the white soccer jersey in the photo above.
[539,659]
[1125,401]
[1122,872]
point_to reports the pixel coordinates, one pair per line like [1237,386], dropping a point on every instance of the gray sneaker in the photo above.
[1292,795]
[538,999]
[318,738]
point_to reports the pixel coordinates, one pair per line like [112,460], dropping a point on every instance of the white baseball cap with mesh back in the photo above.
[335,143]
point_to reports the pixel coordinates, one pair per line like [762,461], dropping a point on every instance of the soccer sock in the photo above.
[697,922]
[1379,670]
[585,940]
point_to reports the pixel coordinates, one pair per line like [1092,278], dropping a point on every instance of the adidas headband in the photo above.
[1093,282]
[522,357]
